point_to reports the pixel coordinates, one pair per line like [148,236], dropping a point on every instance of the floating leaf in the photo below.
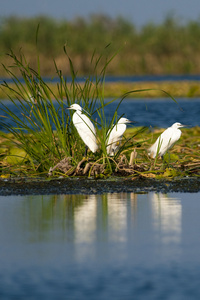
[16,156]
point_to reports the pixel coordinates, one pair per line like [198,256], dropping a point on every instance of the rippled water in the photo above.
[110,246]
[159,112]
[145,112]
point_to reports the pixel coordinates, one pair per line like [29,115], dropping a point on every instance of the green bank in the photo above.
[186,89]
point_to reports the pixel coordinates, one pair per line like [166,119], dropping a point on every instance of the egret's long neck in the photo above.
[78,111]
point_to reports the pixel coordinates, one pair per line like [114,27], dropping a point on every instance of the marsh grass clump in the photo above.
[44,133]
[44,141]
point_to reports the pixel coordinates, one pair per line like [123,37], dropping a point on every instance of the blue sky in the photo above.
[139,12]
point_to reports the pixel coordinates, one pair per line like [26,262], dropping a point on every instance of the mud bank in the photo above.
[92,186]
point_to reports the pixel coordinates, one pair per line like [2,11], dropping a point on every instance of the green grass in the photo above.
[44,132]
[189,89]
[170,47]
[44,140]
[182,160]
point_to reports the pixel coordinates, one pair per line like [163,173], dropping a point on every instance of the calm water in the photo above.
[159,112]
[146,112]
[111,246]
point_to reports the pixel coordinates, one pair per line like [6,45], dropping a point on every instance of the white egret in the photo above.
[114,136]
[85,128]
[166,140]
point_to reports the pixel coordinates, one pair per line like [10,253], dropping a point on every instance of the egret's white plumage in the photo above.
[166,140]
[85,128]
[115,135]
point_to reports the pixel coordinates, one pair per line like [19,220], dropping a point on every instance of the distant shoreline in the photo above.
[139,89]
[122,78]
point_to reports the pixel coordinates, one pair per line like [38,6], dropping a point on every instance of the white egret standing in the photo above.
[166,140]
[115,136]
[84,127]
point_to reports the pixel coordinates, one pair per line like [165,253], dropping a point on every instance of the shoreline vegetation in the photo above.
[171,47]
[185,89]
[134,163]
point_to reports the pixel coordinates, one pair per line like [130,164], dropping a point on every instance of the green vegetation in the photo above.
[45,134]
[150,89]
[44,141]
[169,48]
[133,162]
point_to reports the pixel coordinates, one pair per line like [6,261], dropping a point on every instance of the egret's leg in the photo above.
[163,162]
[86,150]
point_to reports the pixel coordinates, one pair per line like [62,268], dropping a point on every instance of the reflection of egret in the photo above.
[115,136]
[167,213]
[166,140]
[84,127]
[117,216]
[85,220]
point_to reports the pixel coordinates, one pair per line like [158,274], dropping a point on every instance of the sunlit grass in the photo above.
[44,141]
[182,160]
[44,134]
[178,89]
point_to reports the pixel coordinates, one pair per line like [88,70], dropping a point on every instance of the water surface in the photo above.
[109,246]
[145,112]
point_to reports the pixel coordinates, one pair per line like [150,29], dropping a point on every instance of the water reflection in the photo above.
[167,214]
[112,245]
[83,216]
[167,220]
[86,219]
[109,212]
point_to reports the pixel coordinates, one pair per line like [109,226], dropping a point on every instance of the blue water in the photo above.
[129,78]
[145,112]
[159,112]
[110,246]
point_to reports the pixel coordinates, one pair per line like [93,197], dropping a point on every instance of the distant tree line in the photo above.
[167,48]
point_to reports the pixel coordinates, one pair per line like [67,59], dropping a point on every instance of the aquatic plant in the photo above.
[44,133]
[43,139]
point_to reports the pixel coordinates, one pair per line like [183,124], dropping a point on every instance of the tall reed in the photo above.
[44,129]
